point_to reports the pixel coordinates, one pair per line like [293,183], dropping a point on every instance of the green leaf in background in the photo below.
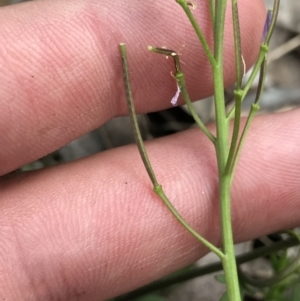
[220,278]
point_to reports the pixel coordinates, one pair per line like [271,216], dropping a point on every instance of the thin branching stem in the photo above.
[273,22]
[261,81]
[262,54]
[236,130]
[211,4]
[143,153]
[255,71]
[179,76]
[222,152]
[253,110]
[227,154]
[207,50]
[237,45]
[261,66]
[204,241]
[181,82]
[133,118]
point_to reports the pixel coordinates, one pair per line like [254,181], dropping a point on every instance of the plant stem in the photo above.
[260,66]
[273,21]
[180,79]
[237,45]
[208,269]
[222,150]
[236,130]
[211,4]
[179,76]
[226,156]
[233,157]
[143,153]
[254,109]
[262,54]
[256,69]
[184,5]
[159,191]
[133,119]
[229,263]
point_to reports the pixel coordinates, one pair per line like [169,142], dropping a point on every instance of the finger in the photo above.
[95,229]
[61,69]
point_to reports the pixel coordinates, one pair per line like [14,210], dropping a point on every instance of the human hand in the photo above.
[93,229]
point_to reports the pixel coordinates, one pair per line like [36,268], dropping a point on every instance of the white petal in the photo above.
[175,98]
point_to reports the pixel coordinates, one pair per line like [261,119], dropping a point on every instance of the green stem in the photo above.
[159,191]
[256,69]
[254,109]
[237,45]
[181,82]
[273,22]
[261,81]
[222,150]
[184,5]
[211,4]
[226,157]
[236,130]
[262,54]
[133,119]
[260,66]
[179,76]
[139,141]
[221,122]
[208,269]
[229,263]
[232,162]
[220,10]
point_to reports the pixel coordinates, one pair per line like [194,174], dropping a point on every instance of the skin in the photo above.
[93,229]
